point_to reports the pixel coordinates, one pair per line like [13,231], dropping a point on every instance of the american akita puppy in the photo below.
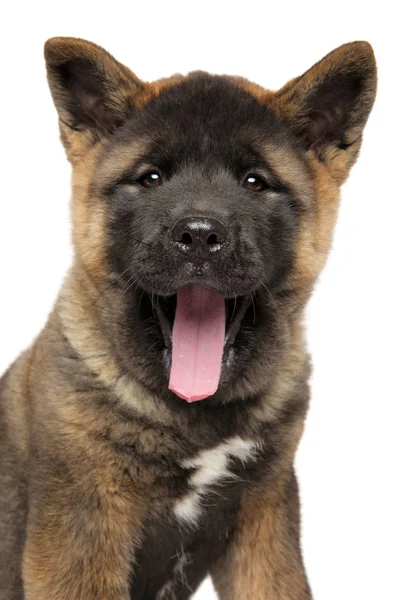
[147,437]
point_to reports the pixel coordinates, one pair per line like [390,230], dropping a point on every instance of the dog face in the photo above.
[202,204]
[203,187]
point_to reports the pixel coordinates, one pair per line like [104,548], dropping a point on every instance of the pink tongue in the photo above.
[197,342]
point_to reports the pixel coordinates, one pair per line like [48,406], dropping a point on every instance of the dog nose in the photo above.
[199,237]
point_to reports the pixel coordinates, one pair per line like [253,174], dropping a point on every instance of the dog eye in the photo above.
[150,180]
[254,183]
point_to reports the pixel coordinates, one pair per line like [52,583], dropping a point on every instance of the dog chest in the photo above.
[182,542]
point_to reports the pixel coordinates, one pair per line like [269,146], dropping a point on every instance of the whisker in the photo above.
[273,300]
[234,308]
[132,282]
[254,309]
[140,241]
[128,284]
[111,283]
[140,299]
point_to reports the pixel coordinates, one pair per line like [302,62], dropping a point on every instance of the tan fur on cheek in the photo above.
[91,176]
[316,229]
[327,206]
[88,218]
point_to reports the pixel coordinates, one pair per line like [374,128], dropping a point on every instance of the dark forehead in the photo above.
[209,101]
[206,111]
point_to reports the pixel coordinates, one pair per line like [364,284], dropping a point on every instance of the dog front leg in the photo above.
[80,542]
[263,559]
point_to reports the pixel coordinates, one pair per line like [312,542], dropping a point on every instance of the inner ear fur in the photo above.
[92,92]
[327,107]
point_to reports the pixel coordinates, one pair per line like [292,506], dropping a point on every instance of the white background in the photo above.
[348,458]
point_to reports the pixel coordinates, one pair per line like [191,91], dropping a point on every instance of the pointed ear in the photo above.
[92,92]
[328,106]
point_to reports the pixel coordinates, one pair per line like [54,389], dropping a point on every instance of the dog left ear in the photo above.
[328,106]
[92,92]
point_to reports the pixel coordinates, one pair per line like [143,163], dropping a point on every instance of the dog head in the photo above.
[203,206]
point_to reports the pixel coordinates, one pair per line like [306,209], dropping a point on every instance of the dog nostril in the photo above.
[199,238]
[186,238]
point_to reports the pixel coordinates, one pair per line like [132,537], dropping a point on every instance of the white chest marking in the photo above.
[211,468]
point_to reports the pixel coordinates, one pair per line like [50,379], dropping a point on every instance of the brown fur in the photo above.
[265,561]
[84,444]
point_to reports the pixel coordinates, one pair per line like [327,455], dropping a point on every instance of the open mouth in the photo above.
[199,326]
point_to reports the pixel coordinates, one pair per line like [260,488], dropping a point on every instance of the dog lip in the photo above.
[236,321]
[165,324]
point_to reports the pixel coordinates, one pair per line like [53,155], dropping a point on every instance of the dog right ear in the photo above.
[92,92]
[328,106]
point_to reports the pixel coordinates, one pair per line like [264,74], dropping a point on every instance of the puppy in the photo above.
[147,437]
